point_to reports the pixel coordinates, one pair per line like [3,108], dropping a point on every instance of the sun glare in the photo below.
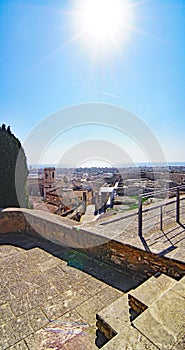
[102,24]
[101,19]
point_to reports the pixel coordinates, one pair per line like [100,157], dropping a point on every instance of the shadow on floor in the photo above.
[170,236]
[123,280]
[145,245]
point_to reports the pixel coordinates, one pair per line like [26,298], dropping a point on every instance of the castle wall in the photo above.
[63,231]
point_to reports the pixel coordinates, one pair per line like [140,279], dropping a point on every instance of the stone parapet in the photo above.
[52,227]
[12,221]
[63,232]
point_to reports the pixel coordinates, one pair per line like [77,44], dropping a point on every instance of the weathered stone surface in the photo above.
[169,312]
[59,279]
[58,333]
[28,301]
[179,343]
[138,260]
[13,331]
[153,330]
[152,289]
[36,318]
[163,322]
[7,251]
[130,340]
[75,274]
[117,314]
[89,308]
[86,341]
[6,313]
[93,286]
[160,326]
[45,266]
[10,220]
[17,289]
[179,288]
[67,301]
[19,346]
[37,255]
[5,294]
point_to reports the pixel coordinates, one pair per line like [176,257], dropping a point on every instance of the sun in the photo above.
[102,24]
[101,19]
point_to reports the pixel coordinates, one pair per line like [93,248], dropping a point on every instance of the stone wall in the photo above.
[52,227]
[13,221]
[137,260]
[64,232]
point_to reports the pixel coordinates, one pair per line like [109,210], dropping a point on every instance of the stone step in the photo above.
[164,321]
[155,328]
[129,339]
[148,292]
[116,315]
[114,323]
[179,287]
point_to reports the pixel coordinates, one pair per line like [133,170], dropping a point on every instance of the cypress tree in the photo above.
[13,171]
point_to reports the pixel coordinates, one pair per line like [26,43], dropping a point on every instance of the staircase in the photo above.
[149,317]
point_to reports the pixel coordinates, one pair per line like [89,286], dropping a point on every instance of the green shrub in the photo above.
[13,171]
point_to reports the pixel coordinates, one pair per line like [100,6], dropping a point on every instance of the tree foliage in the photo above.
[13,171]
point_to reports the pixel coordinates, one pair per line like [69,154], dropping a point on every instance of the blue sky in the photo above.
[44,68]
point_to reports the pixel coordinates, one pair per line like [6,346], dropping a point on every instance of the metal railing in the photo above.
[177,200]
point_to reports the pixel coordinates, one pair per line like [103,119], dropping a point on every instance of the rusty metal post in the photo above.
[178,206]
[140,216]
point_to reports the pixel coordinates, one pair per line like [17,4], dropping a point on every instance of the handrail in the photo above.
[126,216]
[158,206]
[151,194]
[141,211]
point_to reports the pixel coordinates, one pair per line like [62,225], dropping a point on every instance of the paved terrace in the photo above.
[50,295]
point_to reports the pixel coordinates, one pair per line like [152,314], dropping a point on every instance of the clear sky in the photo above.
[56,54]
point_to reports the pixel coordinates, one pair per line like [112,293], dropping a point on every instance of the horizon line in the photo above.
[126,165]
